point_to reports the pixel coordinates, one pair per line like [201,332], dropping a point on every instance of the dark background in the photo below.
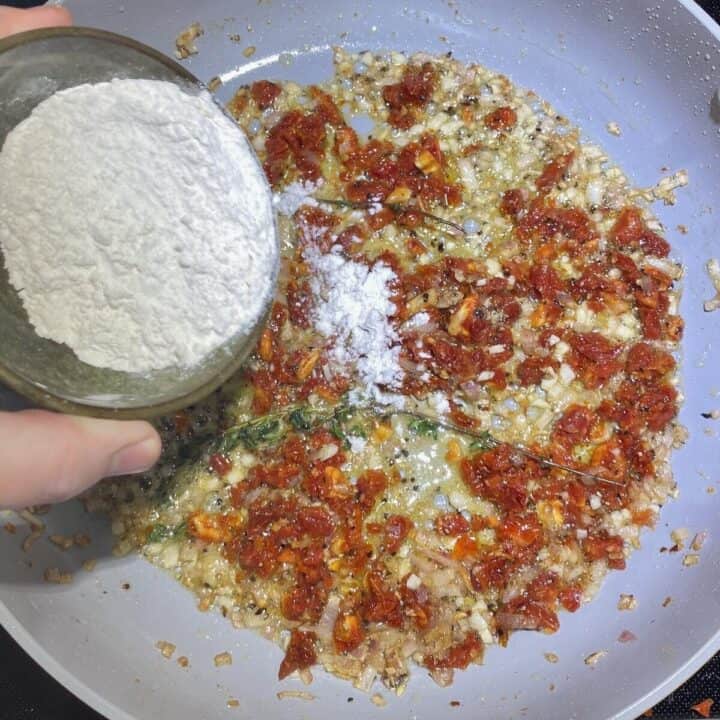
[27,692]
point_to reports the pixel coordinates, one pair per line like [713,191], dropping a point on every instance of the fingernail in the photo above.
[135,458]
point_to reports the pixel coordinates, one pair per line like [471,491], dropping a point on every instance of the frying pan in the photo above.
[653,70]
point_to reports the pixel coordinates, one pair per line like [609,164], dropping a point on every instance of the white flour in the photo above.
[294,195]
[136,224]
[352,308]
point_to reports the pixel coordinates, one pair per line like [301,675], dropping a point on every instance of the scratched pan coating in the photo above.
[654,71]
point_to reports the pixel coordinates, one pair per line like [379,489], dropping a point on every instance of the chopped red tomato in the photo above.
[451,524]
[459,655]
[264,93]
[397,528]
[300,653]
[502,119]
[631,231]
[412,92]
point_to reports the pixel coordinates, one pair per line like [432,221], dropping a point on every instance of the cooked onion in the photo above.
[514,621]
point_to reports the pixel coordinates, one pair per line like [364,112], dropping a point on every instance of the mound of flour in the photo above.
[136,224]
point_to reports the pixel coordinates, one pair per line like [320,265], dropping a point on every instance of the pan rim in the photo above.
[19,632]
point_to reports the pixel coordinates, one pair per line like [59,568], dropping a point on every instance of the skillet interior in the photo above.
[654,72]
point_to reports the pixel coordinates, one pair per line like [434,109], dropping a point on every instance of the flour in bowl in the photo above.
[136,224]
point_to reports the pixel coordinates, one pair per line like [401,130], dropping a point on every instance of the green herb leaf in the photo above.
[260,432]
[264,430]
[336,429]
[158,533]
[483,441]
[300,419]
[424,427]
[161,532]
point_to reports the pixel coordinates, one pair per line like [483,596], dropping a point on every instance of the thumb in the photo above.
[15,21]
[46,457]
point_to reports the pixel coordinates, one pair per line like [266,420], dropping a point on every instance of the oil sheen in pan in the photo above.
[644,69]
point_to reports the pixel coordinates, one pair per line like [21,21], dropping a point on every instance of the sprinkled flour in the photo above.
[136,224]
[294,195]
[352,308]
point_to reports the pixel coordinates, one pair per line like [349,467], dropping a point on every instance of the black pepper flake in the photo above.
[441,247]
[416,487]
[706,415]
[350,699]
[454,703]
[125,586]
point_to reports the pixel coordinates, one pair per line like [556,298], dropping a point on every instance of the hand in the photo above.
[15,21]
[46,457]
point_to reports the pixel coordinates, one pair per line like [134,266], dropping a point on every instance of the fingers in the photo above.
[46,457]
[15,21]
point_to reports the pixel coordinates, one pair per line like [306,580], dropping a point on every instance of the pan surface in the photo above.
[651,69]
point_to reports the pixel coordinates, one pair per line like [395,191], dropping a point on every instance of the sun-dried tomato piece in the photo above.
[381,604]
[574,425]
[498,476]
[593,357]
[631,231]
[513,202]
[491,573]
[264,93]
[370,485]
[412,92]
[647,362]
[532,370]
[544,220]
[300,653]
[348,632]
[417,603]
[459,656]
[502,119]
[571,598]
[299,303]
[326,108]
[452,524]
[521,613]
[554,171]
[219,463]
[523,530]
[703,707]
[296,139]
[599,545]
[397,528]
[545,282]
[315,522]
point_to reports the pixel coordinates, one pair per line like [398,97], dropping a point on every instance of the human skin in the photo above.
[46,457]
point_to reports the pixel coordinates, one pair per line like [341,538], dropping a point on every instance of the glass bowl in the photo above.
[33,66]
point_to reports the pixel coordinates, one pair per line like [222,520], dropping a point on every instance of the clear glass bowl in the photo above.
[33,66]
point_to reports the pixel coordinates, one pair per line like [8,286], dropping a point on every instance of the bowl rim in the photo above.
[52,401]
